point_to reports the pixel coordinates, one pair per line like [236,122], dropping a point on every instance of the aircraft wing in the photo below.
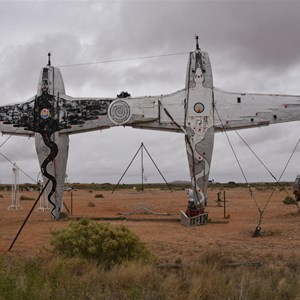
[74,114]
[84,114]
[88,114]
[236,111]
[14,117]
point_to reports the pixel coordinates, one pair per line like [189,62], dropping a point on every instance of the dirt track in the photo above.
[169,241]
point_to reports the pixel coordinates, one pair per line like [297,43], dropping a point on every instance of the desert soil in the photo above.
[168,240]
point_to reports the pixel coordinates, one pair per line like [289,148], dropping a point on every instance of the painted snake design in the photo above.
[53,153]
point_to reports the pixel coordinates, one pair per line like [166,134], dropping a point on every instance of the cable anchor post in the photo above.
[258,227]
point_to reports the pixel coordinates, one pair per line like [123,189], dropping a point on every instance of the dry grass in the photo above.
[53,277]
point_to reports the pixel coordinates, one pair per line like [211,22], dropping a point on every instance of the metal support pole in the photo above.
[224,195]
[126,169]
[158,169]
[142,165]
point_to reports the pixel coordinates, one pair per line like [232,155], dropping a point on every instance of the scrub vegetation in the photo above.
[92,260]
[289,200]
[50,276]
[99,196]
[23,197]
[107,245]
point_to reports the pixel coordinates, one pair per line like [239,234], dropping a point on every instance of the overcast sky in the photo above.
[253,47]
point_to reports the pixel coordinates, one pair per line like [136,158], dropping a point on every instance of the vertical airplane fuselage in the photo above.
[50,87]
[199,123]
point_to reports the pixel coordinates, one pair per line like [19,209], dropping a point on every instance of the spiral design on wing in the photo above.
[53,152]
[119,112]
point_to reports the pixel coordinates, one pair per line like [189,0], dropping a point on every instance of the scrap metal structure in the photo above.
[197,111]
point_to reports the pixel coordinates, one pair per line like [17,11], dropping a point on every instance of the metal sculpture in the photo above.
[198,111]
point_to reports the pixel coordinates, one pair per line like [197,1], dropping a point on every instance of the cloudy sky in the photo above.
[253,47]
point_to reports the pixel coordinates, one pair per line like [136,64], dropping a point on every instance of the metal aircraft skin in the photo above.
[197,111]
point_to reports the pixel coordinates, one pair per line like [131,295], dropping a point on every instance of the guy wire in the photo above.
[122,59]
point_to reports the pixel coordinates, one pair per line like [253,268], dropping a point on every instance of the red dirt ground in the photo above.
[168,240]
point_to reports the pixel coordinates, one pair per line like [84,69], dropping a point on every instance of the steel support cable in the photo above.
[187,141]
[123,59]
[10,160]
[157,168]
[277,181]
[256,155]
[292,154]
[9,137]
[261,211]
[30,212]
[239,164]
[127,168]
[18,167]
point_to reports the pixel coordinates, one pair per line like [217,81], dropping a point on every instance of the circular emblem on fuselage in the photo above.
[119,112]
[45,114]
[199,107]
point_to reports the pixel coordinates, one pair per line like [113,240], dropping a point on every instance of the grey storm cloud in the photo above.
[253,47]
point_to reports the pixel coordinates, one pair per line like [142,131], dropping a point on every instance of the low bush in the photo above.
[91,204]
[109,245]
[289,200]
[99,196]
[1,196]
[22,197]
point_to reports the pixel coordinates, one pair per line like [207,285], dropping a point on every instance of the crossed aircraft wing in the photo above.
[232,111]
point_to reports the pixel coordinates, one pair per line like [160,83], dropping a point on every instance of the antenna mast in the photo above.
[197,42]
[49,59]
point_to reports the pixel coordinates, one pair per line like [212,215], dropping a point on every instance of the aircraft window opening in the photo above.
[275,117]
[252,119]
[238,99]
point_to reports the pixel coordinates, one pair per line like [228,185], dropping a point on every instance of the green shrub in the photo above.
[107,244]
[289,200]
[99,196]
